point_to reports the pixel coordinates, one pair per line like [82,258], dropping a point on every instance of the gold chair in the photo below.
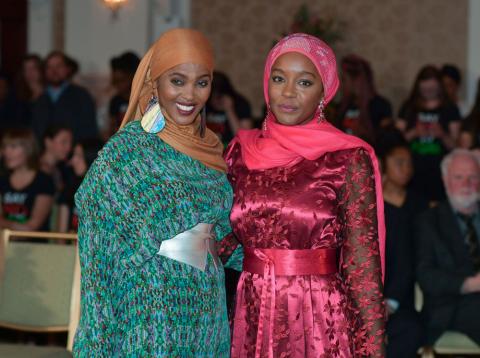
[450,342]
[39,289]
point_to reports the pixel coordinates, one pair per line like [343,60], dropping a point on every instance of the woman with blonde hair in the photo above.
[26,192]
[151,209]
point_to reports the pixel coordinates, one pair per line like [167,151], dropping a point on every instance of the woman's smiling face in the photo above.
[183,91]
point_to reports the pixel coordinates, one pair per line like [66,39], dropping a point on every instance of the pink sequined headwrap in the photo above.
[316,50]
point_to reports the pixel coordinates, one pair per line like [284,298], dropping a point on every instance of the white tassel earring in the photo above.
[153,120]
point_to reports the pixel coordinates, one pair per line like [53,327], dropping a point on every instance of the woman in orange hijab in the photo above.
[151,209]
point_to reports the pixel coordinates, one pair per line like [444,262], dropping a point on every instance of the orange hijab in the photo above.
[173,48]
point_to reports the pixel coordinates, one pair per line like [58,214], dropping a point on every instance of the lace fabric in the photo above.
[361,265]
[326,203]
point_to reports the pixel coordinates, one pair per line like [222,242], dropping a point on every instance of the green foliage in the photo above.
[325,28]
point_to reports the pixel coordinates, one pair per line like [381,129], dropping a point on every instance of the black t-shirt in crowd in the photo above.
[67,197]
[17,205]
[443,115]
[429,151]
[217,121]
[379,108]
[61,175]
[117,109]
[400,249]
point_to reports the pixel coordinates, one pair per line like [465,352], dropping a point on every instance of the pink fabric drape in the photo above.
[278,262]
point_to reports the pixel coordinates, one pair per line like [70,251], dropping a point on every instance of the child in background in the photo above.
[57,145]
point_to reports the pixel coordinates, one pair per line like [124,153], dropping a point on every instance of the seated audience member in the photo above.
[64,103]
[30,84]
[452,80]
[83,156]
[123,69]
[448,254]
[467,137]
[471,124]
[227,110]
[26,193]
[362,111]
[404,328]
[57,145]
[430,122]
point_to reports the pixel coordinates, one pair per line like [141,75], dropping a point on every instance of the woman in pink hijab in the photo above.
[308,211]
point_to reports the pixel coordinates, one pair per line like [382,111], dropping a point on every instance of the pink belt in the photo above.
[283,262]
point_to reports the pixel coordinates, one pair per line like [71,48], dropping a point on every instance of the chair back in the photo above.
[450,342]
[418,298]
[40,283]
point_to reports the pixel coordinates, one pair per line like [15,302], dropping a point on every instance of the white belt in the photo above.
[192,247]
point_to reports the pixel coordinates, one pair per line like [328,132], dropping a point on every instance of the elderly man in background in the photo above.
[448,252]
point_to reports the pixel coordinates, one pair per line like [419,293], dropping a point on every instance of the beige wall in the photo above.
[397,36]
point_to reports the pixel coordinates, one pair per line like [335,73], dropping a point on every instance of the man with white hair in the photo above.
[448,251]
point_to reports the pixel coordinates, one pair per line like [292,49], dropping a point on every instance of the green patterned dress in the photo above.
[136,303]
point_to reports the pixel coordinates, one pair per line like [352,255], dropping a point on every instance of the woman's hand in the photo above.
[438,132]
[78,162]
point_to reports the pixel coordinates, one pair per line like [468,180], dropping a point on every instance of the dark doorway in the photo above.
[13,35]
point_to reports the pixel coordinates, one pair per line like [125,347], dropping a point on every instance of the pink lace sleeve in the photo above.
[226,247]
[361,265]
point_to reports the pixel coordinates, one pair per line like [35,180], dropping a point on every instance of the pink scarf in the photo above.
[277,145]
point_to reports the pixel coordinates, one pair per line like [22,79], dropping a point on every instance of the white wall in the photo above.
[473,55]
[93,36]
[166,14]
[39,35]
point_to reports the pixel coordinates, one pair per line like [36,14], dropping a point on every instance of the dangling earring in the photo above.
[203,122]
[321,107]
[264,125]
[153,120]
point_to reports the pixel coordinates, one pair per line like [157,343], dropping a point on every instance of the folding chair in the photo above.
[450,342]
[39,289]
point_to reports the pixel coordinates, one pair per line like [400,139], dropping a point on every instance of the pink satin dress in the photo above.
[327,203]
